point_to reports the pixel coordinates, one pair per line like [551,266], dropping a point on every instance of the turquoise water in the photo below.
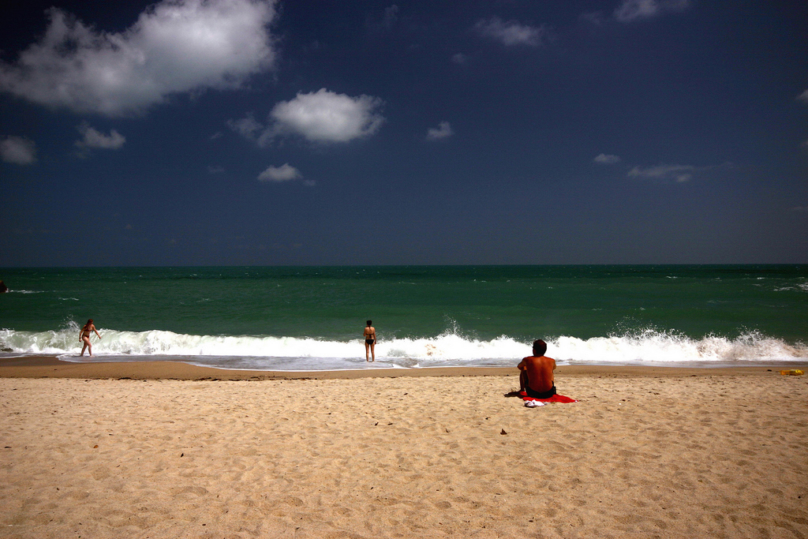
[312,317]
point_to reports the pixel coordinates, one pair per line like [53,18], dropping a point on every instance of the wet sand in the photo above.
[169,450]
[52,367]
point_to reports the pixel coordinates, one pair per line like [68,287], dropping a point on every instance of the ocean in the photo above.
[311,318]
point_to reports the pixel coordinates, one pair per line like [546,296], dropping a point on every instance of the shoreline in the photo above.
[52,367]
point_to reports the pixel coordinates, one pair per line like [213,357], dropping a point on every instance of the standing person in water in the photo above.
[84,336]
[370,341]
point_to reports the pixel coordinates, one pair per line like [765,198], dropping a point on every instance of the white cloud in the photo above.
[247,127]
[444,130]
[460,58]
[95,139]
[632,10]
[176,46]
[325,116]
[605,159]
[512,33]
[390,16]
[677,173]
[593,17]
[18,150]
[215,169]
[387,21]
[283,173]
[803,97]
[216,135]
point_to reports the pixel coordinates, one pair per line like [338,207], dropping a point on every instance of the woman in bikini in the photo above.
[84,336]
[370,341]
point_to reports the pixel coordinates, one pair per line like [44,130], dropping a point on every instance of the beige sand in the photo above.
[654,454]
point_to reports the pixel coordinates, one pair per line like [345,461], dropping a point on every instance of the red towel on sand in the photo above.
[554,398]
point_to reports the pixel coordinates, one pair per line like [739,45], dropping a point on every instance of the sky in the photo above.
[261,132]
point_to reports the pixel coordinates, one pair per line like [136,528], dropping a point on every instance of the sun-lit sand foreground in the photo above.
[656,453]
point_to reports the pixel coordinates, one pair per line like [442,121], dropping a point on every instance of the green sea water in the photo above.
[458,313]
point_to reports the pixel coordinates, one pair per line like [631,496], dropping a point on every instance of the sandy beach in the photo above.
[168,450]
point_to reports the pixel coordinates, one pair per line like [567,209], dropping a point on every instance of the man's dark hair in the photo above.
[370,322]
[539,347]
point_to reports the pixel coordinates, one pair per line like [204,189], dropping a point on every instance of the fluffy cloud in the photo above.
[325,116]
[320,116]
[175,46]
[460,58]
[593,17]
[677,173]
[803,97]
[247,127]
[95,139]
[283,173]
[390,16]
[512,33]
[605,159]
[18,150]
[632,10]
[386,22]
[444,130]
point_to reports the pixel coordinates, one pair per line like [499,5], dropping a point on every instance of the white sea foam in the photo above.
[653,346]
[450,349]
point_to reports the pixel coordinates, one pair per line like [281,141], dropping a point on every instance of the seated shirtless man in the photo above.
[536,378]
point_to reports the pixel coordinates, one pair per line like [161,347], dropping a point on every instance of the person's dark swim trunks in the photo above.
[540,394]
[370,341]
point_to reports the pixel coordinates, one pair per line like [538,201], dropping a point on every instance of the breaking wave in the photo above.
[644,347]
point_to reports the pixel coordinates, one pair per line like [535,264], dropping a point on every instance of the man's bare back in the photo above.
[539,372]
[536,376]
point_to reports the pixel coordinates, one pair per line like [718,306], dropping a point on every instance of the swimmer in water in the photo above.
[370,342]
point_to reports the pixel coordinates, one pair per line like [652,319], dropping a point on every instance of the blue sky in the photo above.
[247,132]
